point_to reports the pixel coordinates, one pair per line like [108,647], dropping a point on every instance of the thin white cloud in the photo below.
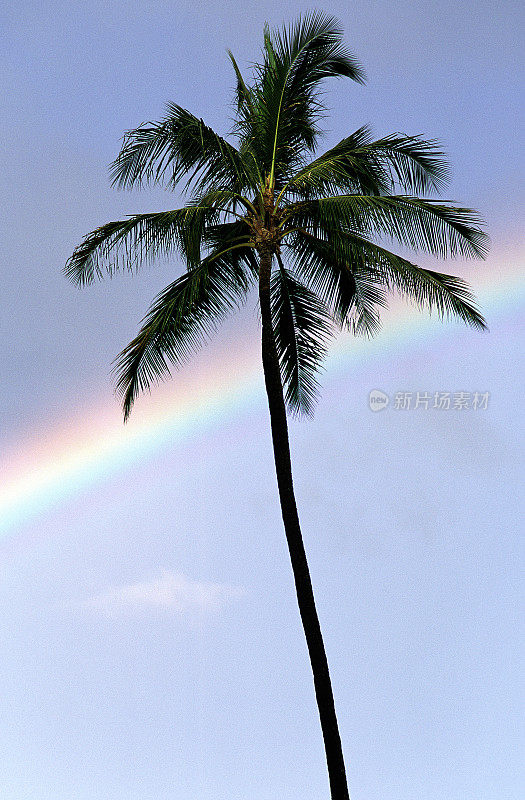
[170,591]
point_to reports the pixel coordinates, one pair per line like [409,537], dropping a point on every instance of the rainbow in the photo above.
[51,468]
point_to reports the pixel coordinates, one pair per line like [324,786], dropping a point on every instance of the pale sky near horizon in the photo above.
[151,646]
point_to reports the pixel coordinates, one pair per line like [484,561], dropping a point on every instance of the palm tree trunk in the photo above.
[303,584]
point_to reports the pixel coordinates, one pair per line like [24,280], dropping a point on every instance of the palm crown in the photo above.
[315,218]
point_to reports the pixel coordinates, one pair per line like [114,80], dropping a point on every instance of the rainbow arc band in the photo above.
[38,484]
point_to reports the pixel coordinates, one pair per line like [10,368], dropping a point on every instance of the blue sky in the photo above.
[151,642]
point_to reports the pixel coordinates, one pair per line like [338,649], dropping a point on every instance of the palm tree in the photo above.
[266,212]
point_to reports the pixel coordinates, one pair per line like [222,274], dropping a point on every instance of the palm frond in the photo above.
[310,50]
[342,168]
[415,164]
[437,228]
[301,326]
[375,271]
[352,290]
[282,124]
[129,243]
[179,321]
[243,95]
[357,164]
[236,239]
[180,146]
[448,295]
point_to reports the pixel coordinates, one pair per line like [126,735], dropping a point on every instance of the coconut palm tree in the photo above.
[308,231]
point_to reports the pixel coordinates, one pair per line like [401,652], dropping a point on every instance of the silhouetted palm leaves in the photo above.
[325,211]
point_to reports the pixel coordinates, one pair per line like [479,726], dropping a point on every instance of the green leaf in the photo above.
[281,124]
[179,321]
[328,265]
[180,147]
[343,167]
[352,290]
[448,295]
[301,326]
[416,164]
[128,244]
[434,227]
[243,95]
[357,164]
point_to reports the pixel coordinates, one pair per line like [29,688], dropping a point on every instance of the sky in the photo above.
[151,645]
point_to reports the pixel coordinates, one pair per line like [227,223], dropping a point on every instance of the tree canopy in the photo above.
[325,219]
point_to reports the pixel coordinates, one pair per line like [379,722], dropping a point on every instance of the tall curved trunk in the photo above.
[303,584]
